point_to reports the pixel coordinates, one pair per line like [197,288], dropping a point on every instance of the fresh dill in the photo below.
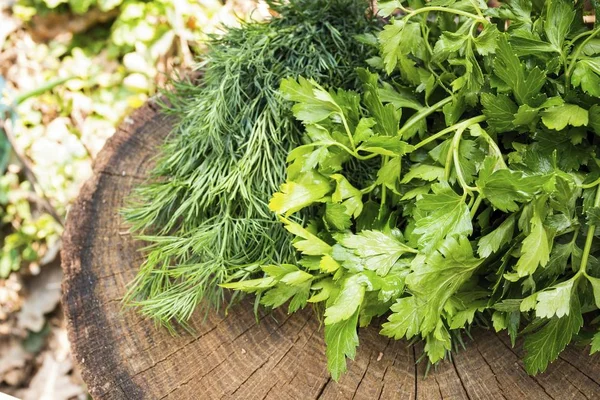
[204,212]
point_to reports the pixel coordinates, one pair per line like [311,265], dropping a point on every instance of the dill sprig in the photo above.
[204,212]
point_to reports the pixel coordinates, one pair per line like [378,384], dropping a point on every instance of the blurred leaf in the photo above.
[34,342]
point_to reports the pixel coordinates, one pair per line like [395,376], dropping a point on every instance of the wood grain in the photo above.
[123,356]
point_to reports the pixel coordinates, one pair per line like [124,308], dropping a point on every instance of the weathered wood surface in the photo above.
[123,356]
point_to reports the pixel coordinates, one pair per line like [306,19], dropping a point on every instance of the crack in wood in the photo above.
[521,366]
[575,386]
[363,376]
[385,371]
[247,378]
[322,388]
[416,371]
[579,370]
[269,391]
[195,377]
[188,344]
[439,388]
[491,369]
[291,347]
[460,379]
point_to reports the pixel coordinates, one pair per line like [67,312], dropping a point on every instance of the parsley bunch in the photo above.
[204,213]
[479,136]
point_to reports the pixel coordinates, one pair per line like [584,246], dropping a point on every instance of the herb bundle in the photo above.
[480,138]
[204,213]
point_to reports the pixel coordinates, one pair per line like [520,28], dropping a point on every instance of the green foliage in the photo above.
[27,233]
[477,134]
[60,128]
[205,213]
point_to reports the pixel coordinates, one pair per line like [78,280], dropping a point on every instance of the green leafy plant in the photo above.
[204,214]
[27,234]
[110,66]
[480,139]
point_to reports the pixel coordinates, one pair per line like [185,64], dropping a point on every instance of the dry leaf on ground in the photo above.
[13,359]
[42,298]
[52,381]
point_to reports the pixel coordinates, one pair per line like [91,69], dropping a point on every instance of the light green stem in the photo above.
[42,89]
[590,238]
[476,205]
[424,113]
[494,148]
[577,52]
[465,124]
[446,10]
[344,147]
[457,167]
[590,185]
[347,128]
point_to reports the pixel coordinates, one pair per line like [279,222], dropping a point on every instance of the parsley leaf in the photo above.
[480,129]
[341,339]
[525,84]
[443,213]
[434,279]
[349,299]
[544,346]
[535,250]
[377,251]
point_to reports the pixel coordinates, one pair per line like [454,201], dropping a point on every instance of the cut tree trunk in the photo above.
[123,356]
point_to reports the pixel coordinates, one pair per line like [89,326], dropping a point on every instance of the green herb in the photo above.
[480,141]
[205,213]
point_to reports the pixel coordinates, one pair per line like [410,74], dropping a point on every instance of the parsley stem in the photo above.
[354,153]
[494,147]
[424,113]
[383,192]
[584,34]
[448,164]
[456,157]
[384,161]
[347,128]
[590,185]
[476,7]
[471,202]
[576,54]
[465,123]
[446,10]
[476,205]
[590,238]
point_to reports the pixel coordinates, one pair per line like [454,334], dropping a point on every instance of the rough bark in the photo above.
[123,356]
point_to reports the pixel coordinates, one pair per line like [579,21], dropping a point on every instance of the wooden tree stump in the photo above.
[123,356]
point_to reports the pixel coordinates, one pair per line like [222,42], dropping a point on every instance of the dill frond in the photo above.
[204,211]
